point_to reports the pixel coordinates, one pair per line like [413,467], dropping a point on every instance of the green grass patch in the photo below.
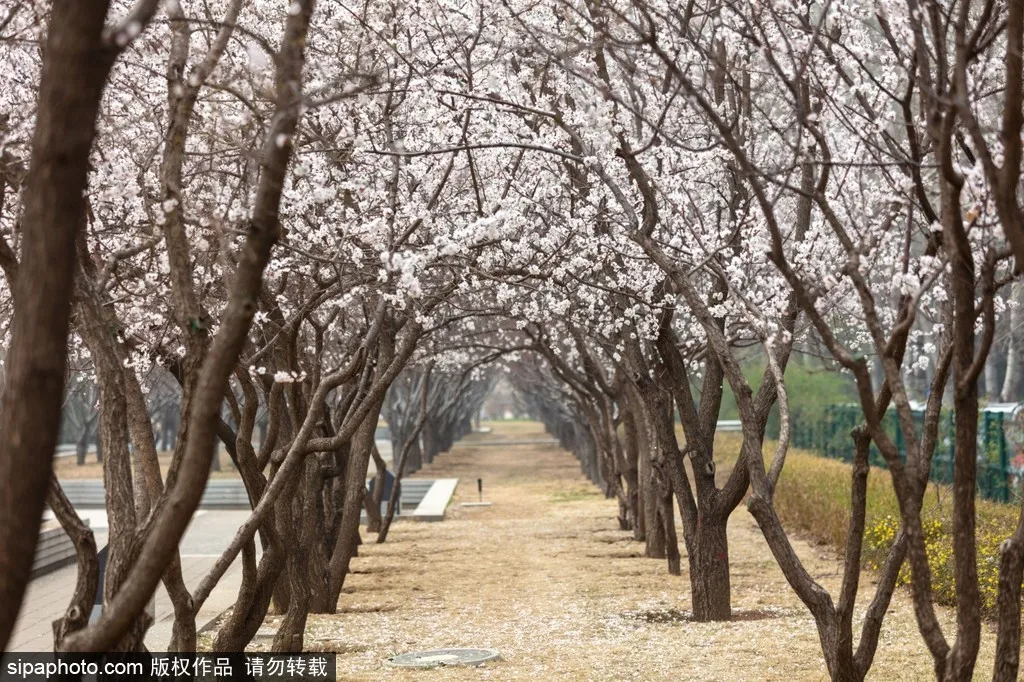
[810,386]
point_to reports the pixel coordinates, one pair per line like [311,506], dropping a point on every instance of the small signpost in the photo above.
[480,492]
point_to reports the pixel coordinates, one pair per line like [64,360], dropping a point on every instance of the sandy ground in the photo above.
[545,577]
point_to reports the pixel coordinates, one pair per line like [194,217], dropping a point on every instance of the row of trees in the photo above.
[314,214]
[847,174]
[187,181]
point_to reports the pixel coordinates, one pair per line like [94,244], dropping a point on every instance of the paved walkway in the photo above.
[207,536]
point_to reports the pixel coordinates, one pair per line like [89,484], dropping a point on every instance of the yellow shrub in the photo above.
[880,534]
[813,496]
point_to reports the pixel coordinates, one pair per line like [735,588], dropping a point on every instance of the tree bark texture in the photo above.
[75,68]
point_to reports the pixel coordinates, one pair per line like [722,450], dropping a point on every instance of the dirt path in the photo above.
[545,577]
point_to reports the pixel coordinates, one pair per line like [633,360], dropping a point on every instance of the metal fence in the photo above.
[999,469]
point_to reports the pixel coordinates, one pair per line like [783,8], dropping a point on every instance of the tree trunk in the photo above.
[318,568]
[1011,571]
[415,457]
[82,447]
[283,527]
[355,485]
[959,663]
[96,329]
[632,475]
[76,63]
[393,505]
[411,444]
[291,634]
[77,615]
[149,487]
[654,530]
[262,427]
[709,570]
[993,380]
[666,513]
[429,443]
[254,597]
[372,501]
[169,429]
[1013,381]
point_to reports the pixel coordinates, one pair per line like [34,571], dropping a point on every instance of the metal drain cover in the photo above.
[439,657]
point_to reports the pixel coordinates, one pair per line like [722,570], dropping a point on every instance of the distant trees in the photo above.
[80,414]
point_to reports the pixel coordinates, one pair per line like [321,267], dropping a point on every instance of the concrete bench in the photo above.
[413,489]
[433,505]
[53,550]
[86,493]
[219,494]
[225,494]
[413,492]
[428,498]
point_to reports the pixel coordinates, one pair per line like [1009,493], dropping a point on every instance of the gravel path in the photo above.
[545,577]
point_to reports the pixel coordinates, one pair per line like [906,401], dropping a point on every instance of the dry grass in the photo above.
[814,497]
[545,577]
[506,429]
